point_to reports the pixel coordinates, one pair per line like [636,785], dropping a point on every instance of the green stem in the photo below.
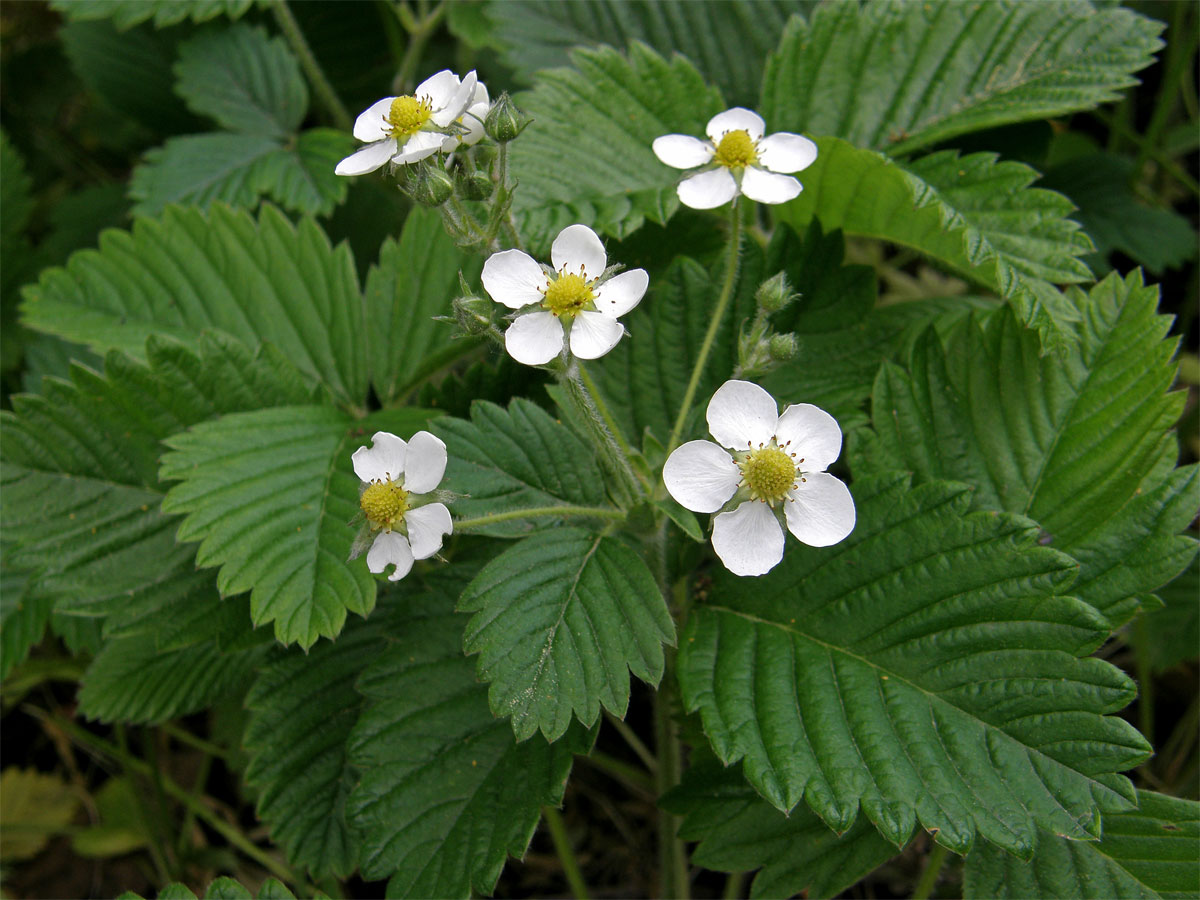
[123,756]
[1141,649]
[566,856]
[605,412]
[714,325]
[635,743]
[1180,49]
[186,737]
[323,90]
[501,216]
[933,868]
[534,512]
[419,32]
[733,885]
[1157,154]
[630,776]
[189,816]
[216,823]
[612,456]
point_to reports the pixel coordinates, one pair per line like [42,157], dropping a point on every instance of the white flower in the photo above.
[572,298]
[737,159]
[409,128]
[775,459]
[471,120]
[395,474]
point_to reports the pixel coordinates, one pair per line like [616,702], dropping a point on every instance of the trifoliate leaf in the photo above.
[1174,630]
[538,35]
[302,709]
[262,280]
[975,215]
[507,460]
[34,806]
[1149,852]
[125,13]
[244,80]
[897,77]
[446,793]
[738,831]
[561,620]
[588,158]
[415,280]
[1093,465]
[270,495]
[925,668]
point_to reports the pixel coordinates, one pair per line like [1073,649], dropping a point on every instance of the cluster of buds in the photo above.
[760,348]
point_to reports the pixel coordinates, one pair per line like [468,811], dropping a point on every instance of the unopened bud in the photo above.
[478,186]
[774,293]
[782,347]
[504,120]
[428,183]
[474,314]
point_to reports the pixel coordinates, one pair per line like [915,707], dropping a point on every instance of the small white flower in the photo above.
[775,459]
[409,128]
[737,159]
[572,298]
[395,474]
[471,121]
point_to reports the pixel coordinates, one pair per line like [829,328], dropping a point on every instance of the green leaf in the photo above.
[415,279]
[270,496]
[16,189]
[225,888]
[302,709]
[446,792]
[33,807]
[244,80]
[138,679]
[587,157]
[728,42]
[24,615]
[925,668]
[125,13]
[1148,852]
[262,280]
[561,620]
[1093,464]
[900,76]
[971,214]
[1174,630]
[505,460]
[738,831]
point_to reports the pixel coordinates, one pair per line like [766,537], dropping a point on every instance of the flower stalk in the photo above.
[323,90]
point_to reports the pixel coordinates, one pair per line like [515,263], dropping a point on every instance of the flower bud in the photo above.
[504,120]
[774,293]
[474,314]
[428,183]
[782,347]
[477,186]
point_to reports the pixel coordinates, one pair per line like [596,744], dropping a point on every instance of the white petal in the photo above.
[749,539]
[457,104]
[438,89]
[419,146]
[736,119]
[534,339]
[708,190]
[425,464]
[480,95]
[371,124]
[701,476]
[390,549]
[514,278]
[767,187]
[578,246]
[786,152]
[383,460]
[622,293]
[593,334]
[367,159]
[820,510]
[426,526]
[472,120]
[810,434]
[682,151]
[742,415]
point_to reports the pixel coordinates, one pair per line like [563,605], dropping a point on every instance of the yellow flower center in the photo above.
[769,473]
[408,115]
[568,294]
[385,504]
[736,150]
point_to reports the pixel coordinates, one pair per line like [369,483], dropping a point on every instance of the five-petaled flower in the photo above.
[573,298]
[737,159]
[409,128]
[775,465]
[395,474]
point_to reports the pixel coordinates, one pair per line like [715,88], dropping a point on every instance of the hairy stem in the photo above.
[635,743]
[536,512]
[420,30]
[566,856]
[933,868]
[612,457]
[714,325]
[325,94]
[630,776]
[605,412]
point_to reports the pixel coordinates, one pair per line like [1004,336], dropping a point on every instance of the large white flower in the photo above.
[409,128]
[772,461]
[737,159]
[572,298]
[471,121]
[395,474]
